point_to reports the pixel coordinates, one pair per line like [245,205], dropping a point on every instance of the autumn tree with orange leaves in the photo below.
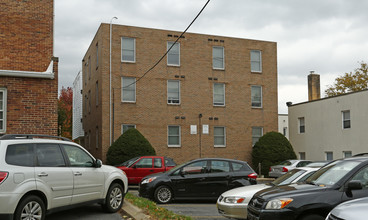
[65,112]
[350,82]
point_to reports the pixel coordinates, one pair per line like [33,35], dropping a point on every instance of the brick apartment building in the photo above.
[212,96]
[28,70]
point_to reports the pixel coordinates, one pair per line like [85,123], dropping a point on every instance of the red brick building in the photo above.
[212,96]
[28,69]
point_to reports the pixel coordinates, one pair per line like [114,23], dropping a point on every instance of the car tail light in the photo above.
[3,176]
[253,176]
[284,169]
[270,169]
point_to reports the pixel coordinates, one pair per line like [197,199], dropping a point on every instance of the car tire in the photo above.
[312,217]
[163,194]
[32,206]
[114,198]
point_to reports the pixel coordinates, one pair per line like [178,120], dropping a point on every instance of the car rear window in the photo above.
[20,155]
[237,167]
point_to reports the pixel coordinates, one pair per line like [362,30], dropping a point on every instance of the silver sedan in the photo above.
[234,203]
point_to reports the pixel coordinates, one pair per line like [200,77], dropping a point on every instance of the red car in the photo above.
[139,167]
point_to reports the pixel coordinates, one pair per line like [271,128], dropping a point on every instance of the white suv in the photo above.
[39,175]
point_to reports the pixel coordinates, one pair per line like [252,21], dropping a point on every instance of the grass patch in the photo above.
[150,208]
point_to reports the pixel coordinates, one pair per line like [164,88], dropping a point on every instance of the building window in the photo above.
[218,58]
[346,119]
[96,137]
[256,94]
[173,92]
[3,101]
[89,67]
[257,133]
[284,130]
[301,125]
[127,49]
[219,94]
[329,155]
[347,154]
[89,101]
[173,56]
[219,134]
[128,89]
[96,55]
[174,136]
[301,155]
[97,93]
[125,127]
[256,61]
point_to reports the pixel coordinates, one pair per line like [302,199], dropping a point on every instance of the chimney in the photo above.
[314,92]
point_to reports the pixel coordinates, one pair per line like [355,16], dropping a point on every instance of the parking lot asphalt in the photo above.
[91,212]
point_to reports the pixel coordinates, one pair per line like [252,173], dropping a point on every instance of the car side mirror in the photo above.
[98,163]
[181,173]
[355,185]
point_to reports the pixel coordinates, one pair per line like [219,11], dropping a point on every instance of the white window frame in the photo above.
[218,58]
[168,136]
[130,84]
[224,136]
[348,152]
[345,119]
[259,62]
[170,100]
[223,94]
[122,50]
[170,53]
[327,153]
[3,105]
[253,101]
[126,125]
[258,137]
[300,125]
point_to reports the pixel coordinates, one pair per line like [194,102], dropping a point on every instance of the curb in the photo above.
[134,211]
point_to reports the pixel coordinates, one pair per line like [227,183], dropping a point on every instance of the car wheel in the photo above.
[31,207]
[114,198]
[312,217]
[163,194]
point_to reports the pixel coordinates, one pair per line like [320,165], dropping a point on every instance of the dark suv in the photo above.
[334,183]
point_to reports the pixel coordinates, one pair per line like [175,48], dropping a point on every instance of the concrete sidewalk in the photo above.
[134,211]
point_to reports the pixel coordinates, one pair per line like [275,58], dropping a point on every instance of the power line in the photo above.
[170,47]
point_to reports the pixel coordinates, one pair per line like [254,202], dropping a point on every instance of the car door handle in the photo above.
[42,174]
[151,170]
[202,179]
[77,174]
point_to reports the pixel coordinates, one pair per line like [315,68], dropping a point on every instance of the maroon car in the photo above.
[139,167]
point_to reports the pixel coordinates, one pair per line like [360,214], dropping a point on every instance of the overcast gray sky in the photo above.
[328,36]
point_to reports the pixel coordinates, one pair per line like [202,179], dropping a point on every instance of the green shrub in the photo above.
[271,149]
[130,144]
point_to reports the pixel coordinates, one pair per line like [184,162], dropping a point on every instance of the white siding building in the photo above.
[330,128]
[78,132]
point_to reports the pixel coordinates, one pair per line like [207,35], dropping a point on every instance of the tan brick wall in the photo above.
[151,114]
[26,39]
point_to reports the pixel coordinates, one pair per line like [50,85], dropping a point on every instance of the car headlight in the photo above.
[148,180]
[234,199]
[278,203]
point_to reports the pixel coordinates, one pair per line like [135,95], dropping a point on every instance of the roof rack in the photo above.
[30,136]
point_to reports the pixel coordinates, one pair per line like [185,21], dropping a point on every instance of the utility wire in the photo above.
[170,47]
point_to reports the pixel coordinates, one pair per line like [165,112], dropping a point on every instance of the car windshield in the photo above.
[288,177]
[332,173]
[285,163]
[128,163]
